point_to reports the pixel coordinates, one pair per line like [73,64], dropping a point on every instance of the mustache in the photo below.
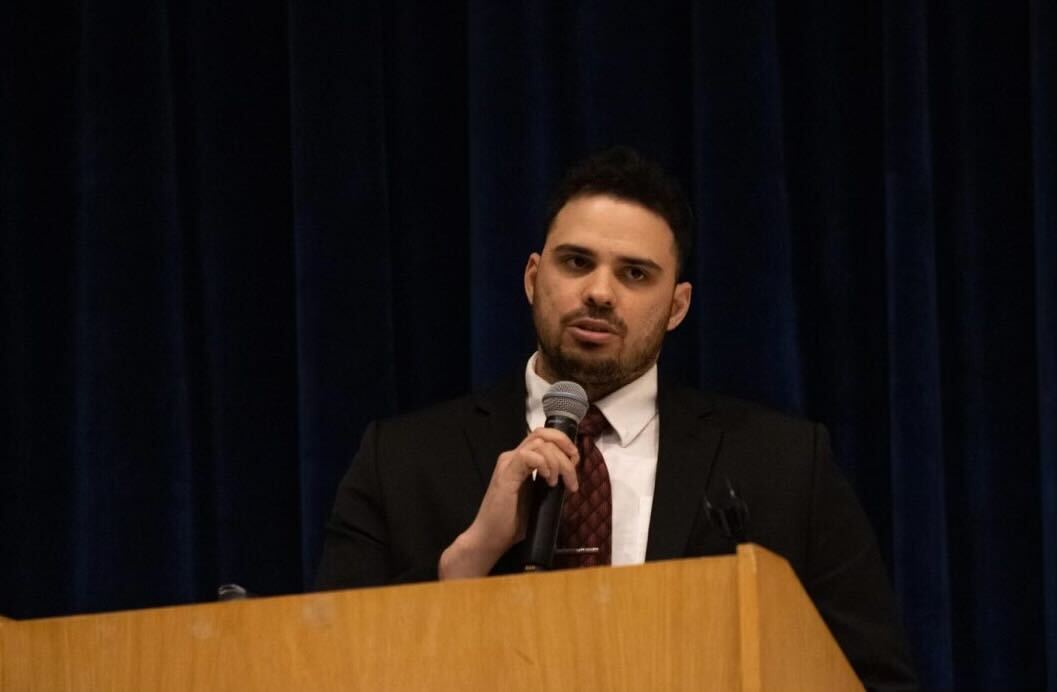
[595,313]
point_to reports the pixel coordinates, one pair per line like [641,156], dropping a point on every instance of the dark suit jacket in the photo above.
[417,481]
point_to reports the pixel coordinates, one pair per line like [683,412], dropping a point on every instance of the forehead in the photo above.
[611,226]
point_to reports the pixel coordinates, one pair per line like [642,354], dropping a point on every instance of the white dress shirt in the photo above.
[629,447]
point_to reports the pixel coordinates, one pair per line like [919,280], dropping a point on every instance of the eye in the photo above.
[576,262]
[636,274]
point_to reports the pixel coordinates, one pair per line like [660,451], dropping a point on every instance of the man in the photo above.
[443,493]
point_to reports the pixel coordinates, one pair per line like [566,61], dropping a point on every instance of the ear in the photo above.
[531,269]
[680,304]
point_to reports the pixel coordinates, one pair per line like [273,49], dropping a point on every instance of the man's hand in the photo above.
[503,516]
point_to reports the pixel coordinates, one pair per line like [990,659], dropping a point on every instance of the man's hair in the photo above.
[625,174]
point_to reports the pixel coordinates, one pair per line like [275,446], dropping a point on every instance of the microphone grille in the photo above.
[565,399]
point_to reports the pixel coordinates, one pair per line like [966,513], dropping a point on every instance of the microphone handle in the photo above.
[542,534]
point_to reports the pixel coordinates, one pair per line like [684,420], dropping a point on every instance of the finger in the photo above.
[503,463]
[557,437]
[515,466]
[553,458]
[563,465]
[538,444]
[533,460]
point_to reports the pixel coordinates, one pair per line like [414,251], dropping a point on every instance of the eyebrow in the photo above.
[626,259]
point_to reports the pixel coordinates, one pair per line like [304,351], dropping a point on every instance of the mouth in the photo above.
[592,331]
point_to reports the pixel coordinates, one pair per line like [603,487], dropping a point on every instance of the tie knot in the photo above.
[593,423]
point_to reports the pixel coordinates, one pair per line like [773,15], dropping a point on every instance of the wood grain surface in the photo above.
[678,625]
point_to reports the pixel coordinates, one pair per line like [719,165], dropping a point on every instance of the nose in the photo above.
[598,289]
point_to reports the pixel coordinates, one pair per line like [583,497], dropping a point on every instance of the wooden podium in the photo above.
[724,623]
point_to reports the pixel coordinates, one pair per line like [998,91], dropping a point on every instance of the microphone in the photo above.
[564,405]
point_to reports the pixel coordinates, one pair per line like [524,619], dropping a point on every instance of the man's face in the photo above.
[603,293]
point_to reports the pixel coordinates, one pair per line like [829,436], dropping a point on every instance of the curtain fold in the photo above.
[915,357]
[745,245]
[129,385]
[1043,67]
[341,244]
[234,234]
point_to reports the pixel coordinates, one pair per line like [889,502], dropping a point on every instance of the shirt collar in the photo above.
[628,410]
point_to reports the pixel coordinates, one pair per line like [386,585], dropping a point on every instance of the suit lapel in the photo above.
[688,446]
[497,424]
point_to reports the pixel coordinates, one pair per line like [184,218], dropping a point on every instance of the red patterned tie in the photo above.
[587,515]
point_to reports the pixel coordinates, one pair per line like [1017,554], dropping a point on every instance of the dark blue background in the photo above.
[233,233]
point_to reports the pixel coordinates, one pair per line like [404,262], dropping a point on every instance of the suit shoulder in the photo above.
[508,394]
[737,415]
[437,415]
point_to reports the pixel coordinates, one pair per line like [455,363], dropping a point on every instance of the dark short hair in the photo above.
[626,174]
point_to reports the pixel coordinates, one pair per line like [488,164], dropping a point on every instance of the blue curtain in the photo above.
[233,233]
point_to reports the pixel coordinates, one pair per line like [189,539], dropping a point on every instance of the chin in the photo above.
[587,370]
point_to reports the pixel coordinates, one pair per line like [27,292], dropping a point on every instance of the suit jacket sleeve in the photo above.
[356,551]
[847,580]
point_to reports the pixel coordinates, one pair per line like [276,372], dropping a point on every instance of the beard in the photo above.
[599,374]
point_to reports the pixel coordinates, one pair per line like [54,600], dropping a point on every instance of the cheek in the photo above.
[555,296]
[546,307]
[651,319]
